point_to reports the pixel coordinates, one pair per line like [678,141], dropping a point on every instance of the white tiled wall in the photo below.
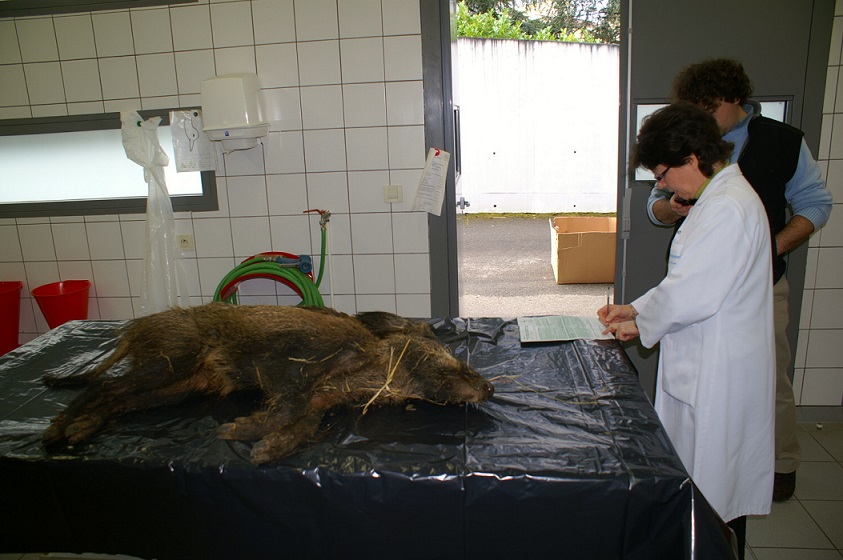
[818,373]
[342,84]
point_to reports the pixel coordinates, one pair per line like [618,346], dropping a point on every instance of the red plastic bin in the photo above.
[65,301]
[9,315]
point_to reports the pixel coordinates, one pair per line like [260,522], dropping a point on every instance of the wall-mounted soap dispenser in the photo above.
[231,111]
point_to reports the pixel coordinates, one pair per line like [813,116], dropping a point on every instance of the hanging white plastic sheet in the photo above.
[162,274]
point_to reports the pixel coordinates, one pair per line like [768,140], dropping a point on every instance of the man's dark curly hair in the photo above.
[707,82]
[671,134]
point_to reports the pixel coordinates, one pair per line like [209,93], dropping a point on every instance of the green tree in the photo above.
[562,20]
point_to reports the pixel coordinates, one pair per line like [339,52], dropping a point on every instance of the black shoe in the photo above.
[783,486]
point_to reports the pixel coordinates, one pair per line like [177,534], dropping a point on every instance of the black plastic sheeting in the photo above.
[567,460]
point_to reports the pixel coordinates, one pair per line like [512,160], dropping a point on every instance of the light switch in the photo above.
[393,193]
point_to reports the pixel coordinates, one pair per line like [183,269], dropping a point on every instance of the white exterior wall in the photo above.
[539,124]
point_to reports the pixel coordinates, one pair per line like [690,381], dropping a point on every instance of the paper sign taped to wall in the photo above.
[191,146]
[431,191]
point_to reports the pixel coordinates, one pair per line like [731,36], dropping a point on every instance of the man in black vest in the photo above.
[777,163]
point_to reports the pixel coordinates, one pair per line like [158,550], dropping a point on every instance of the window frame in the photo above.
[103,121]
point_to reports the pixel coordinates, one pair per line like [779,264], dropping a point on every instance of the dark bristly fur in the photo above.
[304,361]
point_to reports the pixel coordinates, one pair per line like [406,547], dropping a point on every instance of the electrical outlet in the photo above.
[185,242]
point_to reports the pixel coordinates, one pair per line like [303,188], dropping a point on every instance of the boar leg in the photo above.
[285,439]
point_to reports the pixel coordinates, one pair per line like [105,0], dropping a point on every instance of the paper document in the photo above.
[560,327]
[431,191]
[192,148]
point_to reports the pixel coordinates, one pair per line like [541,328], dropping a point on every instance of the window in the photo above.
[76,165]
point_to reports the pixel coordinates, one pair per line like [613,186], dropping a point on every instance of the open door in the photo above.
[783,46]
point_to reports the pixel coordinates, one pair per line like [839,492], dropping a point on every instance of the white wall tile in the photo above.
[830,268]
[290,234]
[134,239]
[402,59]
[119,77]
[836,40]
[836,148]
[339,233]
[410,232]
[367,148]
[105,240]
[321,107]
[360,18]
[338,276]
[831,87]
[401,17]
[247,196]
[9,48]
[15,112]
[163,102]
[40,274]
[364,104]
[75,37]
[37,242]
[9,244]
[328,191]
[316,19]
[404,103]
[157,75]
[376,303]
[213,238]
[805,312]
[113,309]
[245,162]
[250,236]
[151,31]
[232,60]
[284,152]
[231,24]
[822,387]
[374,274]
[37,40]
[834,180]
[413,305]
[71,242]
[365,191]
[81,80]
[212,272]
[191,274]
[287,194]
[274,21]
[324,150]
[113,33]
[277,65]
[111,278]
[319,63]
[13,86]
[362,60]
[191,27]
[825,137]
[406,147]
[58,110]
[412,274]
[827,309]
[135,270]
[78,270]
[85,108]
[798,381]
[192,67]
[832,232]
[282,109]
[811,268]
[824,349]
[409,181]
[371,233]
[44,83]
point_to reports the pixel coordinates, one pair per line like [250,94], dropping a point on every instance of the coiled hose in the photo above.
[292,270]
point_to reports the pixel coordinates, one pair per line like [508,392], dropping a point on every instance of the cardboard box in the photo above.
[582,250]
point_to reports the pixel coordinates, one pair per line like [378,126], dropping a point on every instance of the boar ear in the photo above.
[382,324]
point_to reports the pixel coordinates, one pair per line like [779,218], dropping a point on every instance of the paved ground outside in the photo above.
[505,270]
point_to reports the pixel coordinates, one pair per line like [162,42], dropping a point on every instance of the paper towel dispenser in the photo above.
[231,111]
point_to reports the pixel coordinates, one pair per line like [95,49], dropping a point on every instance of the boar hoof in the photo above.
[82,428]
[273,447]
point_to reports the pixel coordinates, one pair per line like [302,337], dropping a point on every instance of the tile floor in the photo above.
[809,526]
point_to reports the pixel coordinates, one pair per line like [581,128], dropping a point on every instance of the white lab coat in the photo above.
[713,314]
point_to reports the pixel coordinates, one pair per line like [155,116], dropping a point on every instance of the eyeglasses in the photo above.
[659,177]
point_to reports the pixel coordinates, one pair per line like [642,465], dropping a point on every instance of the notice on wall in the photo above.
[193,149]
[431,191]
